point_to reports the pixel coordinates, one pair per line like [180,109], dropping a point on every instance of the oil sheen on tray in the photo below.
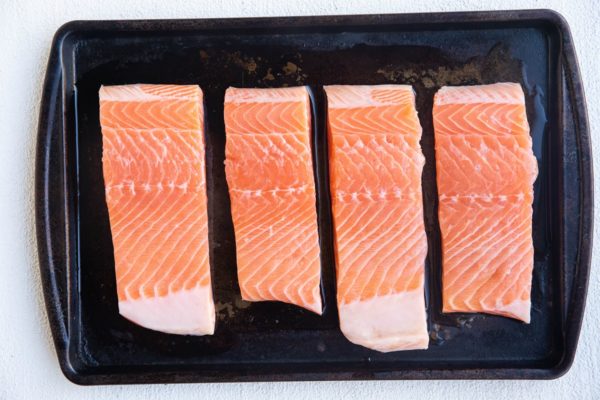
[375,177]
[271,186]
[154,175]
[485,175]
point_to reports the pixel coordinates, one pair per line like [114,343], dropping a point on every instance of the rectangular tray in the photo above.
[274,341]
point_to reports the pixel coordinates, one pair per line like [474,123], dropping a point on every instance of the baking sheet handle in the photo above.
[50,203]
[576,96]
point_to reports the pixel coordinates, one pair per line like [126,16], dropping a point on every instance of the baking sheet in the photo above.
[275,341]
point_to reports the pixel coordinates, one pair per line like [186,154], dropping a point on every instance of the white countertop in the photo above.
[28,364]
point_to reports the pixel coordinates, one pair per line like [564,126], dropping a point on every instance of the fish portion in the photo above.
[375,172]
[273,203]
[485,175]
[154,175]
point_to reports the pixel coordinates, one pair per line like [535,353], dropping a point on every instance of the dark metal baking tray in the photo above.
[273,341]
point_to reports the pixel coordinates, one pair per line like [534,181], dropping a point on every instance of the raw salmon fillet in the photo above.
[485,174]
[154,175]
[272,191]
[375,171]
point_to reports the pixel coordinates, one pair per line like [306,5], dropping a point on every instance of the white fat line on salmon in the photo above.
[275,191]
[483,197]
[133,188]
[381,195]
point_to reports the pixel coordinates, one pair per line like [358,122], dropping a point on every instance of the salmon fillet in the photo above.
[375,171]
[485,175]
[271,186]
[154,175]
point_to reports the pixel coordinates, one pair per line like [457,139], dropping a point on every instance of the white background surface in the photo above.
[28,364]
